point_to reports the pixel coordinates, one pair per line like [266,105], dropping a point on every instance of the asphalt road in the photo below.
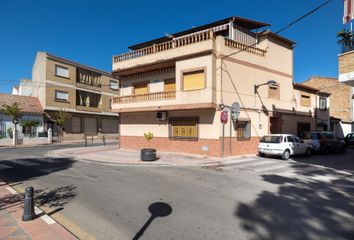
[258,198]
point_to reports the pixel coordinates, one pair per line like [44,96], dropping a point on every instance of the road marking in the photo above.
[48,219]
[11,190]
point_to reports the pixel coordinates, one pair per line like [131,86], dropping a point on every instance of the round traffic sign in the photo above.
[224,116]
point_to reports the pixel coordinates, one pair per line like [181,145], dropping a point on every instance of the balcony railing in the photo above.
[175,43]
[247,48]
[146,97]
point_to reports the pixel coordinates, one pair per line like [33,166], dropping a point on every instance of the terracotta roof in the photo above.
[29,105]
[304,87]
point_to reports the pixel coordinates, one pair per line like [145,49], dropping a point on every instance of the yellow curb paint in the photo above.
[59,218]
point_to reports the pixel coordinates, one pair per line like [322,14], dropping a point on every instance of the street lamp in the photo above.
[269,83]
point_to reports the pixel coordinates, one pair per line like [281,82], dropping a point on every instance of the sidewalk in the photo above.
[12,226]
[113,155]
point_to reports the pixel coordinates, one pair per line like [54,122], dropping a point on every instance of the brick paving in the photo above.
[12,227]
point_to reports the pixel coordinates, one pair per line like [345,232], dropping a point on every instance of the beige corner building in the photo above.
[85,92]
[177,86]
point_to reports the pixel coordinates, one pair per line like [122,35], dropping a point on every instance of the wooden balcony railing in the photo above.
[146,97]
[247,48]
[175,43]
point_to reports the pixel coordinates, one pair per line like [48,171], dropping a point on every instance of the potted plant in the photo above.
[148,154]
[346,40]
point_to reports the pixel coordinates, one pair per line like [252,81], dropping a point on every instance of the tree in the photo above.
[14,112]
[60,119]
[346,39]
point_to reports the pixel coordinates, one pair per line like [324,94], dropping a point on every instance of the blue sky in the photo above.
[91,31]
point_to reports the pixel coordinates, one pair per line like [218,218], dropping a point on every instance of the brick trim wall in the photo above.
[193,147]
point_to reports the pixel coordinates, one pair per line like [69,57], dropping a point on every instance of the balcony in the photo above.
[186,45]
[147,97]
[88,78]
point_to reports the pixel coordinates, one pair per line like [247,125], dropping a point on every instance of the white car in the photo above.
[283,145]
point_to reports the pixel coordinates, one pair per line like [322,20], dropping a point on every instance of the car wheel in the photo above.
[261,154]
[308,152]
[285,155]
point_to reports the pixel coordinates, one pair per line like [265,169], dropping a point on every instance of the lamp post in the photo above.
[269,83]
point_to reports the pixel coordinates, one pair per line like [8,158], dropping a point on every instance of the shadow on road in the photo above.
[302,208]
[18,170]
[157,209]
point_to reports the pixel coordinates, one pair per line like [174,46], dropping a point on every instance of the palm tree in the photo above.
[59,120]
[14,112]
[346,39]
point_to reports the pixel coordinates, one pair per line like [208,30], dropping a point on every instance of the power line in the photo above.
[285,27]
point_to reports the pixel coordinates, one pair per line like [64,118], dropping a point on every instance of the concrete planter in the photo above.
[148,154]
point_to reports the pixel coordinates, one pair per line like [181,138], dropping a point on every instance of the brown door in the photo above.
[275,125]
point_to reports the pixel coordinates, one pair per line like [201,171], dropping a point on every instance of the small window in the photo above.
[170,85]
[61,96]
[273,91]
[193,80]
[243,130]
[186,128]
[323,103]
[305,100]
[61,71]
[113,85]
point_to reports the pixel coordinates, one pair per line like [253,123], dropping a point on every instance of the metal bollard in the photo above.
[28,209]
[92,138]
[104,140]
[85,141]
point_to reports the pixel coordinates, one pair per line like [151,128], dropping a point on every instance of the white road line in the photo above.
[11,190]
[273,168]
[48,219]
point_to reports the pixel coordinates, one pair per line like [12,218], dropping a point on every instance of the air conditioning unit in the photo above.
[161,116]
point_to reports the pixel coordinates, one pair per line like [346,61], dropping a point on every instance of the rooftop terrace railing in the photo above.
[175,43]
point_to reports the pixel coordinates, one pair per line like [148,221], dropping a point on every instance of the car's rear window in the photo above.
[310,136]
[272,139]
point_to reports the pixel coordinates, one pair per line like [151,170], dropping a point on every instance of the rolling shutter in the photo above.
[193,80]
[90,126]
[141,89]
[76,125]
[170,85]
[109,125]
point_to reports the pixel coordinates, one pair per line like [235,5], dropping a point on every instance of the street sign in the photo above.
[224,117]
[235,110]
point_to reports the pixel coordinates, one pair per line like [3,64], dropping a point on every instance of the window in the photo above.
[170,85]
[305,100]
[61,71]
[243,129]
[184,128]
[290,139]
[61,96]
[323,103]
[113,85]
[193,80]
[141,88]
[273,92]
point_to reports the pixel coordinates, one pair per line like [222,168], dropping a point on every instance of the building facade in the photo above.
[177,86]
[341,110]
[31,110]
[84,92]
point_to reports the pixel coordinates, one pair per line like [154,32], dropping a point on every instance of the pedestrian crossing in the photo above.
[259,164]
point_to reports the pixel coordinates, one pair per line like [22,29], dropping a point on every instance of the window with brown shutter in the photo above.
[305,100]
[184,128]
[243,129]
[170,85]
[273,92]
[193,80]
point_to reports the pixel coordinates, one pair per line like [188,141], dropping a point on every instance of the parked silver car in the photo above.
[325,142]
[283,145]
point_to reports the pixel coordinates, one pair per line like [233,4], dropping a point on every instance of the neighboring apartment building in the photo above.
[341,110]
[24,89]
[85,92]
[175,87]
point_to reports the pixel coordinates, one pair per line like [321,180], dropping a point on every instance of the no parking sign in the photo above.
[224,117]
